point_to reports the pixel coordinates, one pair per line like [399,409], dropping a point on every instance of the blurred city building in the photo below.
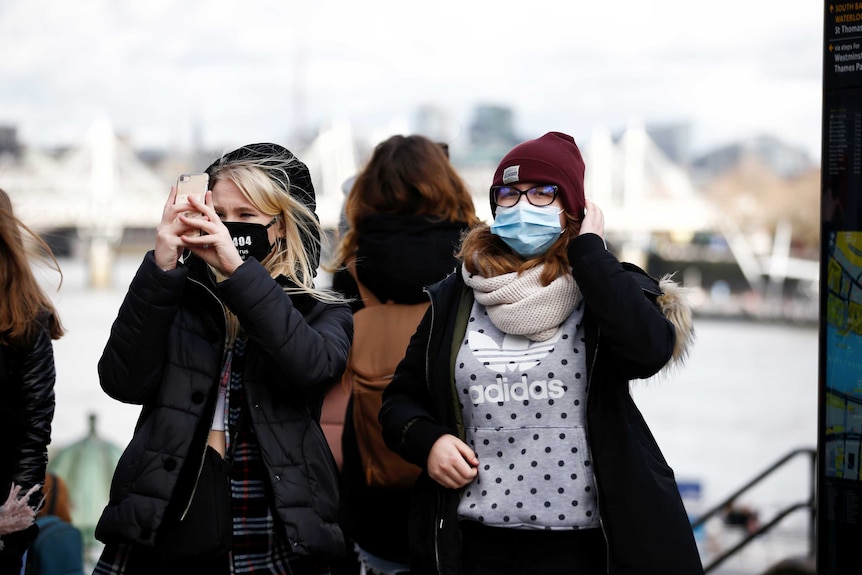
[9,144]
[674,140]
[434,123]
[782,159]
[491,134]
[738,220]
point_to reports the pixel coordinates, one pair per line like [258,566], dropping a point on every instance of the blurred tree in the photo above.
[757,199]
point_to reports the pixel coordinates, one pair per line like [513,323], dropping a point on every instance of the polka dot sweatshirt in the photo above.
[524,404]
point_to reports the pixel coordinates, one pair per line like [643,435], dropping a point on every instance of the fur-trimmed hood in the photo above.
[673,303]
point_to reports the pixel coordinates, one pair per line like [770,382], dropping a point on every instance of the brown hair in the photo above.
[24,302]
[409,175]
[486,254]
[57,500]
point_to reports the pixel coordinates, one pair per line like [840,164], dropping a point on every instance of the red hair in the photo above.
[57,500]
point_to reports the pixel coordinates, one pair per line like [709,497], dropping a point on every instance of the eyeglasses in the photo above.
[507,196]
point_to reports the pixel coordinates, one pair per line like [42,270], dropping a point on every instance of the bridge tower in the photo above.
[101,231]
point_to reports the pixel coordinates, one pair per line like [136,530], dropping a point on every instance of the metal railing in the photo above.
[810,504]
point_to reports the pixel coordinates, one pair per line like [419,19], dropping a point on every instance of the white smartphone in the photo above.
[192,185]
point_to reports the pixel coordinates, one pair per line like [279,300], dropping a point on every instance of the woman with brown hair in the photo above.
[406,212]
[407,207]
[28,324]
[513,396]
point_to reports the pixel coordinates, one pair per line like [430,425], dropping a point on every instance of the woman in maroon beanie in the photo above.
[514,398]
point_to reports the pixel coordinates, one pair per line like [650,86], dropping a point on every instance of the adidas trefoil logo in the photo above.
[517,353]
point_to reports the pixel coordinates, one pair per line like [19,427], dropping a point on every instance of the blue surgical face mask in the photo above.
[527,229]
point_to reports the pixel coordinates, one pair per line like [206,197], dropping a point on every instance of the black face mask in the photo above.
[251,240]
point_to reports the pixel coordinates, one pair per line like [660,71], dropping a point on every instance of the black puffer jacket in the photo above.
[166,351]
[26,411]
[634,326]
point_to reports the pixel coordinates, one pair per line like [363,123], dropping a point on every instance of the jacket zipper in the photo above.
[195,488]
[438,520]
[428,345]
[203,457]
[590,451]
[438,527]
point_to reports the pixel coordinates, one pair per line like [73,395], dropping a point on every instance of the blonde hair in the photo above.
[265,184]
[290,257]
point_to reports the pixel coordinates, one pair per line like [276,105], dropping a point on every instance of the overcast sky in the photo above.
[254,70]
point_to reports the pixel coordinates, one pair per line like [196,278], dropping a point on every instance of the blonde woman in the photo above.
[229,347]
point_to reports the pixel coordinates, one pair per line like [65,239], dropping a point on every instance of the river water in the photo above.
[746,396]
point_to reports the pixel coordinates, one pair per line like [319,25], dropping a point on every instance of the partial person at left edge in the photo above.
[28,324]
[229,351]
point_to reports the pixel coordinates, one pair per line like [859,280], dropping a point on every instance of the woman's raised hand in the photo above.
[214,243]
[169,245]
[206,237]
[594,221]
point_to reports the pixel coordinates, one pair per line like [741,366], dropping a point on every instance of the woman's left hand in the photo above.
[594,221]
[214,245]
[451,462]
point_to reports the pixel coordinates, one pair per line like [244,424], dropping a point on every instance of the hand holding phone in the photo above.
[191,185]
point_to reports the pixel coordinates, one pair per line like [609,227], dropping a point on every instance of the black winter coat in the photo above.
[627,337]
[397,257]
[27,378]
[165,352]
[27,387]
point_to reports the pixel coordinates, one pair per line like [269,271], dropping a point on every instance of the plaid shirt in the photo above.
[259,546]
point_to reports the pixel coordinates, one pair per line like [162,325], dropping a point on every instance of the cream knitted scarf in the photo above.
[521,305]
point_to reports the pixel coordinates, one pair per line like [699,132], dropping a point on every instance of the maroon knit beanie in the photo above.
[552,159]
